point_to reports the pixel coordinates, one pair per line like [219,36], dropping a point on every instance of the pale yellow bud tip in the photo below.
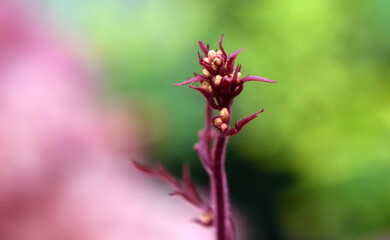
[238,78]
[217,80]
[217,61]
[224,113]
[205,72]
[211,54]
[223,126]
[217,122]
[206,218]
[205,84]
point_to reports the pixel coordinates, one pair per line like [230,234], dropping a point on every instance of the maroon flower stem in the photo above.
[219,189]
[207,128]
[220,82]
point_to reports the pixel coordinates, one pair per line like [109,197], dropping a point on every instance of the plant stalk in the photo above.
[220,190]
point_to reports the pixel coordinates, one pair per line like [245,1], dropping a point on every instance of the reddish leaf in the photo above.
[205,49]
[220,45]
[190,189]
[240,124]
[256,78]
[192,80]
[208,96]
[158,171]
[234,54]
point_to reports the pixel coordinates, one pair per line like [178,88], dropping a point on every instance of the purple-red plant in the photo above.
[220,82]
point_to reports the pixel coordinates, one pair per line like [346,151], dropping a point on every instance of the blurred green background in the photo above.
[315,164]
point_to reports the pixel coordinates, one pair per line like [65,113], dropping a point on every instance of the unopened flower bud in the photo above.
[215,67]
[224,114]
[219,52]
[205,84]
[217,61]
[206,218]
[223,127]
[205,72]
[217,80]
[217,122]
[237,80]
[211,54]
[206,60]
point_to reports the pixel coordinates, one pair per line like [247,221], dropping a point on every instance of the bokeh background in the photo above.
[315,164]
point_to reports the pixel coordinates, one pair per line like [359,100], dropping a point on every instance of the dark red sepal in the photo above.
[256,78]
[220,45]
[205,49]
[240,124]
[158,171]
[197,78]
[208,95]
[186,189]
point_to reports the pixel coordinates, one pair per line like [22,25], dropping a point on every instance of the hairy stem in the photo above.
[220,191]
[208,130]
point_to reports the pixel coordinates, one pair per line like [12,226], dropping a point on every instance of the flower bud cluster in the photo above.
[221,121]
[220,78]
[220,81]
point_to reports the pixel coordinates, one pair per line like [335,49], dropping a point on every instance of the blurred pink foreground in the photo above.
[64,168]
